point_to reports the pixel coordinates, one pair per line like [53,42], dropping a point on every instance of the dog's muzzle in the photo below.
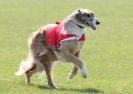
[92,24]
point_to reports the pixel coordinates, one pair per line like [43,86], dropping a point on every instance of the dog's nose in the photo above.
[97,23]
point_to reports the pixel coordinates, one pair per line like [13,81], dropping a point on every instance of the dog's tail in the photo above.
[25,65]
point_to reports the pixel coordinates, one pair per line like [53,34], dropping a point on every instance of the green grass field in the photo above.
[108,52]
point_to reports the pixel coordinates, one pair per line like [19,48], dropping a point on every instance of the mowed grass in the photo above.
[107,53]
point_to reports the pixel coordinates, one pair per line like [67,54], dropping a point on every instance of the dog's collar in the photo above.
[80,26]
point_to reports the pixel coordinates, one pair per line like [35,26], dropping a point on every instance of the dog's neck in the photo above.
[73,27]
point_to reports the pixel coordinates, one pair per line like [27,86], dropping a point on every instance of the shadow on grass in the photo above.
[79,90]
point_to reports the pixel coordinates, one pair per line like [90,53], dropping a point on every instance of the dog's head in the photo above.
[86,17]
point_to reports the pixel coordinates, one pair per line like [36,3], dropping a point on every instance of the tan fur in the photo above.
[69,50]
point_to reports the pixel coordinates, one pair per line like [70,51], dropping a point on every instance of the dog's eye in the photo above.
[88,15]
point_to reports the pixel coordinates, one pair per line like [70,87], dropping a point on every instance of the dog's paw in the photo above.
[84,72]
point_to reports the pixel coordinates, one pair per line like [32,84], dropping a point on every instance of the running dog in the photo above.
[59,41]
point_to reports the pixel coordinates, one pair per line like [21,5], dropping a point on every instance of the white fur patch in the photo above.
[25,65]
[21,70]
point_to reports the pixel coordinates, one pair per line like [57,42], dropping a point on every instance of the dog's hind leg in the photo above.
[29,73]
[27,77]
[47,66]
[27,68]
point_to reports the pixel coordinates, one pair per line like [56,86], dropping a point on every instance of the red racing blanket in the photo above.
[54,35]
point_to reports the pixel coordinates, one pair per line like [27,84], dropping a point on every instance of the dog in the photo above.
[59,41]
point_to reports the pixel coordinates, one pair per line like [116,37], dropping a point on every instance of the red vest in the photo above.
[54,35]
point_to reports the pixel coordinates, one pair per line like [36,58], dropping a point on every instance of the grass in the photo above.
[108,53]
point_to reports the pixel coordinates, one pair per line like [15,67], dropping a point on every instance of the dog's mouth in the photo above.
[91,25]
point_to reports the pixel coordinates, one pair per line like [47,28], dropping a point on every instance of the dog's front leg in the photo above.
[76,61]
[74,70]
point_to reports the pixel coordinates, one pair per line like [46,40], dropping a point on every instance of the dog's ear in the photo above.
[79,13]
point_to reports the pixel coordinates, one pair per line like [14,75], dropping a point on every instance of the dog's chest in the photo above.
[75,47]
